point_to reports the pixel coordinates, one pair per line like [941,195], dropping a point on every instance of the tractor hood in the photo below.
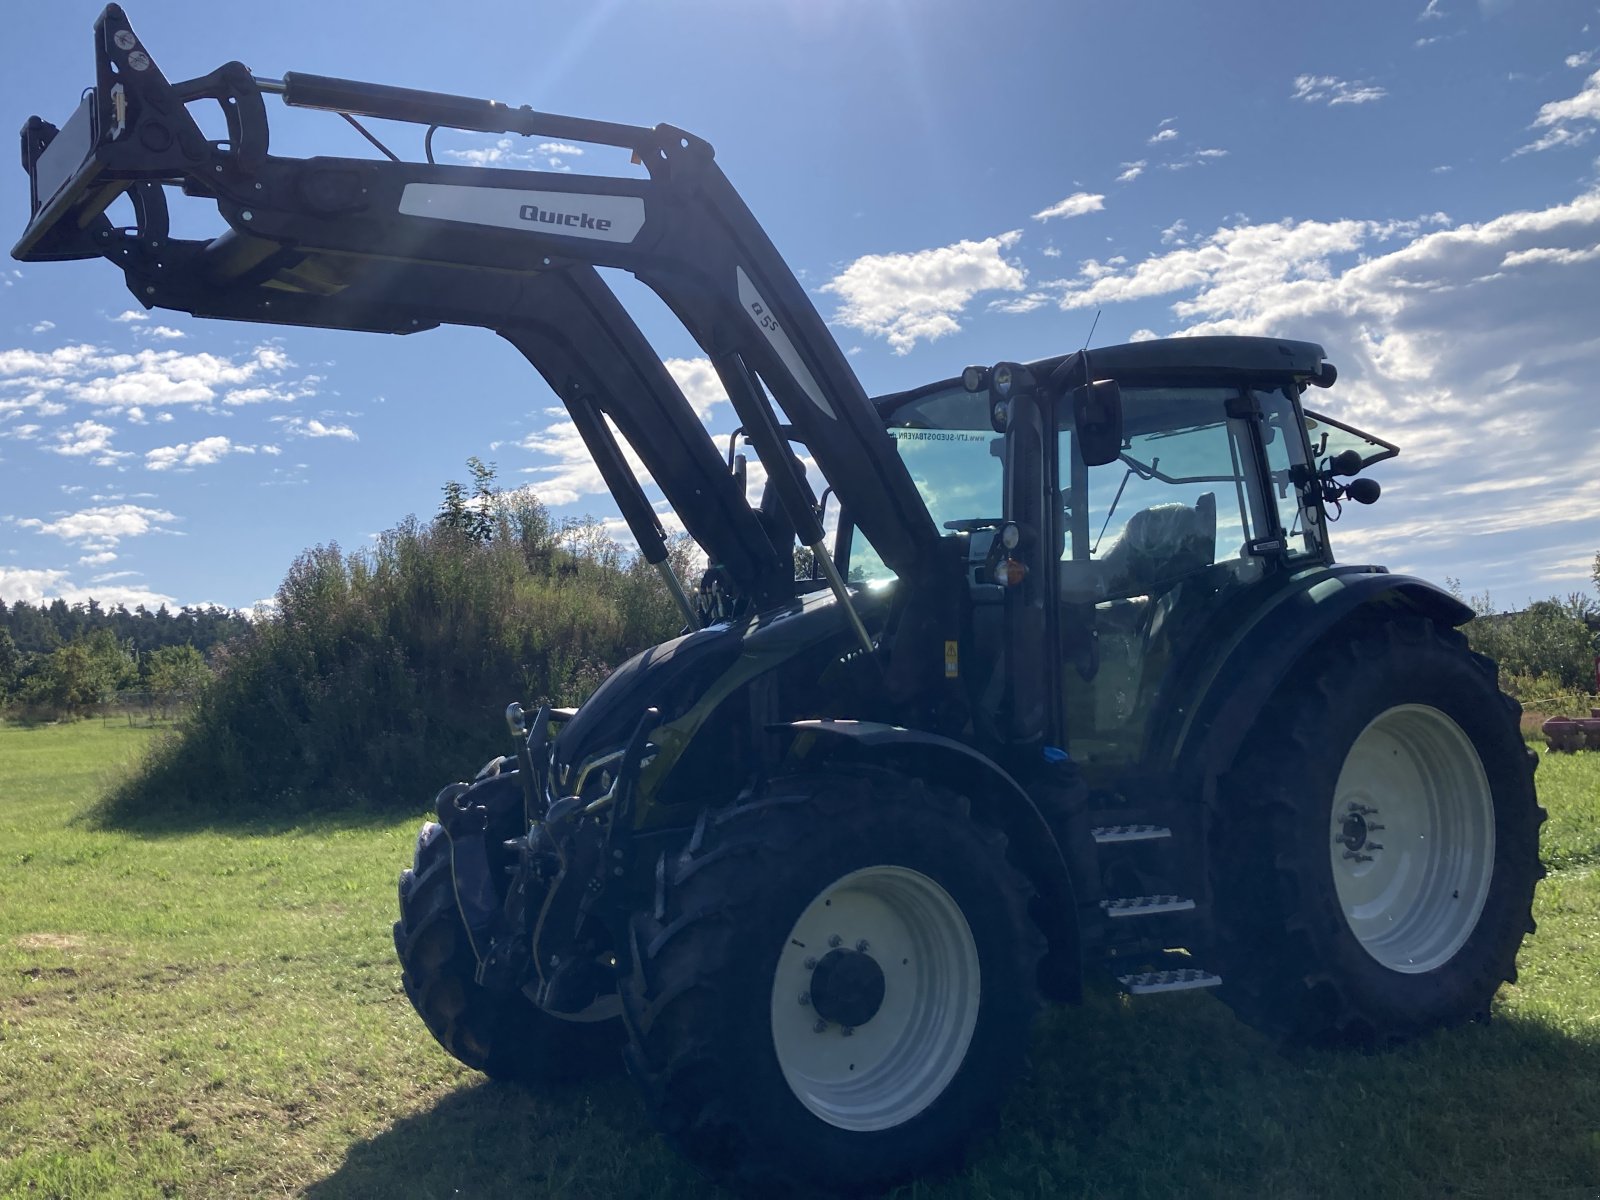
[687,678]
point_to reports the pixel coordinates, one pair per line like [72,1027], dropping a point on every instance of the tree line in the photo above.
[59,660]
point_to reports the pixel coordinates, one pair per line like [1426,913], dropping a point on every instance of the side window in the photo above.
[1285,450]
[1175,502]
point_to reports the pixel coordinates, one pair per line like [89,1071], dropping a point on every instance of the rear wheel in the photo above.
[835,986]
[1377,845]
[503,1035]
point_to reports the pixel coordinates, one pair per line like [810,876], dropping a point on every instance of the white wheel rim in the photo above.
[1413,838]
[892,1066]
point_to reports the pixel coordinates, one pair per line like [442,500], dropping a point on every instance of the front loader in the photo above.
[1076,697]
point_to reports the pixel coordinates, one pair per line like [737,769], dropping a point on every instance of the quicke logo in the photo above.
[545,216]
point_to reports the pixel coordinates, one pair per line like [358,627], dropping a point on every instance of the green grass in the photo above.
[214,1011]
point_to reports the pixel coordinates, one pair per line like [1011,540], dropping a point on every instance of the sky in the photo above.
[1414,184]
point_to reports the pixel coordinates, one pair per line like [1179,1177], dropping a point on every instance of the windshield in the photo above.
[945,440]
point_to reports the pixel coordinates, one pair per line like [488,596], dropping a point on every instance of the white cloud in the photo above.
[313,428]
[131,315]
[164,333]
[114,382]
[907,298]
[99,559]
[1314,89]
[88,439]
[43,327]
[1569,122]
[1075,205]
[511,152]
[572,475]
[188,455]
[1131,171]
[38,586]
[1582,59]
[1473,347]
[102,528]
[1431,12]
[1163,135]
[1020,304]
[698,381]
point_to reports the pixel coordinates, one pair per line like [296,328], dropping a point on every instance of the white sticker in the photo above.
[125,39]
[766,320]
[568,214]
[139,60]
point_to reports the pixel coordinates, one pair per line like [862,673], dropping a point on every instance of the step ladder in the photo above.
[1131,942]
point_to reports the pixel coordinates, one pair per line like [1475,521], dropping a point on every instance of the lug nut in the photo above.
[846,1031]
[810,964]
[862,945]
[805,999]
[836,941]
[820,1027]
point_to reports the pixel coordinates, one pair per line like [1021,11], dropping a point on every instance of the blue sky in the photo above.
[1415,185]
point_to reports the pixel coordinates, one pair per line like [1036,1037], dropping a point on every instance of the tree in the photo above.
[85,672]
[175,673]
[480,515]
[10,665]
[453,511]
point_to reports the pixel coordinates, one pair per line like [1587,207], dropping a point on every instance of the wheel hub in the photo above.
[1355,832]
[847,987]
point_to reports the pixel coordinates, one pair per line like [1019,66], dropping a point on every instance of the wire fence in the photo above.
[143,709]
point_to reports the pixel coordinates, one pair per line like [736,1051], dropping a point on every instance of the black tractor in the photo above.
[1074,695]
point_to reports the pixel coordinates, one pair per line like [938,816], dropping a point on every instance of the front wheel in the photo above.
[1376,848]
[835,986]
[503,1035]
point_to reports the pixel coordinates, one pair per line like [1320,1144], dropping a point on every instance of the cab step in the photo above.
[1146,982]
[1106,834]
[1145,906]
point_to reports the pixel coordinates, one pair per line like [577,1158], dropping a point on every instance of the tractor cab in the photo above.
[1202,481]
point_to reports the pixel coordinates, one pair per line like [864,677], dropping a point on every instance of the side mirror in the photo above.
[1363,491]
[1097,421]
[1346,462]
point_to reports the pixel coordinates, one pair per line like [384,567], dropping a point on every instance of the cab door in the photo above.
[1157,542]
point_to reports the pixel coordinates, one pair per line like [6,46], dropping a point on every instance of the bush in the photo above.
[1546,652]
[384,674]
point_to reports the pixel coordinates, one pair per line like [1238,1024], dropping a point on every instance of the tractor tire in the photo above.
[504,1036]
[835,986]
[1376,846]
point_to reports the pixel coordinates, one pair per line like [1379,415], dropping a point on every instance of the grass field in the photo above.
[212,1011]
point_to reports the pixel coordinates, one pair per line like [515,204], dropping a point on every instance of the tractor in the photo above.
[1072,694]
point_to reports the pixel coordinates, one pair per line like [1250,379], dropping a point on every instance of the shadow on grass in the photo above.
[493,1139]
[1166,1098]
[124,811]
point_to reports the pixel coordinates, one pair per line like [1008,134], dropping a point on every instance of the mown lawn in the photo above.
[211,1011]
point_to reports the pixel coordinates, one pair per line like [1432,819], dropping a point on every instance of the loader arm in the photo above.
[399,247]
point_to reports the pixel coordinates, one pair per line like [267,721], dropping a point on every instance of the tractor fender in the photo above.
[1227,692]
[997,799]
